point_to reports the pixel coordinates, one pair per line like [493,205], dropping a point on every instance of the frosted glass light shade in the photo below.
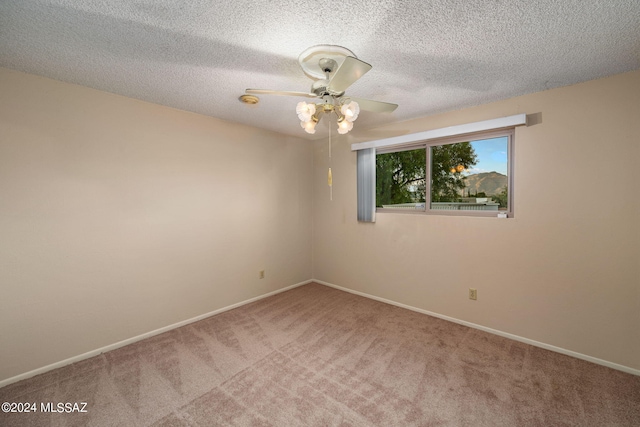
[305,111]
[309,126]
[344,127]
[350,111]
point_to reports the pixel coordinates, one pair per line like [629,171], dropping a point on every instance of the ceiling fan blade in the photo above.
[374,106]
[350,71]
[279,92]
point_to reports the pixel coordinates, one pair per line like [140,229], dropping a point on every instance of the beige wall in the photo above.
[565,271]
[119,217]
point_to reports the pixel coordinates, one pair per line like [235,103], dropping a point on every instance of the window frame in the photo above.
[468,137]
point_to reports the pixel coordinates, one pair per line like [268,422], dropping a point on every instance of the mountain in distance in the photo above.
[490,183]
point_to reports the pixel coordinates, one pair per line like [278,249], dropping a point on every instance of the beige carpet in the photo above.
[316,356]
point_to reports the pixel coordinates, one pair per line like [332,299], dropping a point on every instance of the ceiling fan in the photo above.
[334,69]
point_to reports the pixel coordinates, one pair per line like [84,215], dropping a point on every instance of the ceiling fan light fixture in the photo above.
[344,126]
[305,111]
[350,111]
[310,125]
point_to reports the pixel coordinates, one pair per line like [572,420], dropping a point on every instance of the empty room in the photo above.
[331,213]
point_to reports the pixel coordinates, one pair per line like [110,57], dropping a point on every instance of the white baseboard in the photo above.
[128,341]
[492,331]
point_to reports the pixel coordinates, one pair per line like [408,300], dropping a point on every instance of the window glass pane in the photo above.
[470,175]
[400,179]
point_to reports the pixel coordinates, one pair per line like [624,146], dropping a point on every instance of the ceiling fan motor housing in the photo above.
[327,65]
[321,88]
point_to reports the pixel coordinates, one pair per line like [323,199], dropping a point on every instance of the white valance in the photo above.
[493,124]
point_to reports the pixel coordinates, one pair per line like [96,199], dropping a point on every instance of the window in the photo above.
[423,171]
[400,179]
[468,175]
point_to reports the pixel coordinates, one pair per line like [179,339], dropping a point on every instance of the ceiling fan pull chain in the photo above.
[329,176]
[329,141]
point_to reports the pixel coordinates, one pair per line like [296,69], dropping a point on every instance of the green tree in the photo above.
[502,197]
[400,176]
[448,164]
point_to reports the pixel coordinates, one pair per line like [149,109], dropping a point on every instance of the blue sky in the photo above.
[492,155]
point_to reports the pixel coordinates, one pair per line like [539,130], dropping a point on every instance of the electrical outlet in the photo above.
[473,294]
[261,274]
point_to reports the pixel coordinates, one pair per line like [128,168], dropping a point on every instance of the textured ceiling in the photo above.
[428,56]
